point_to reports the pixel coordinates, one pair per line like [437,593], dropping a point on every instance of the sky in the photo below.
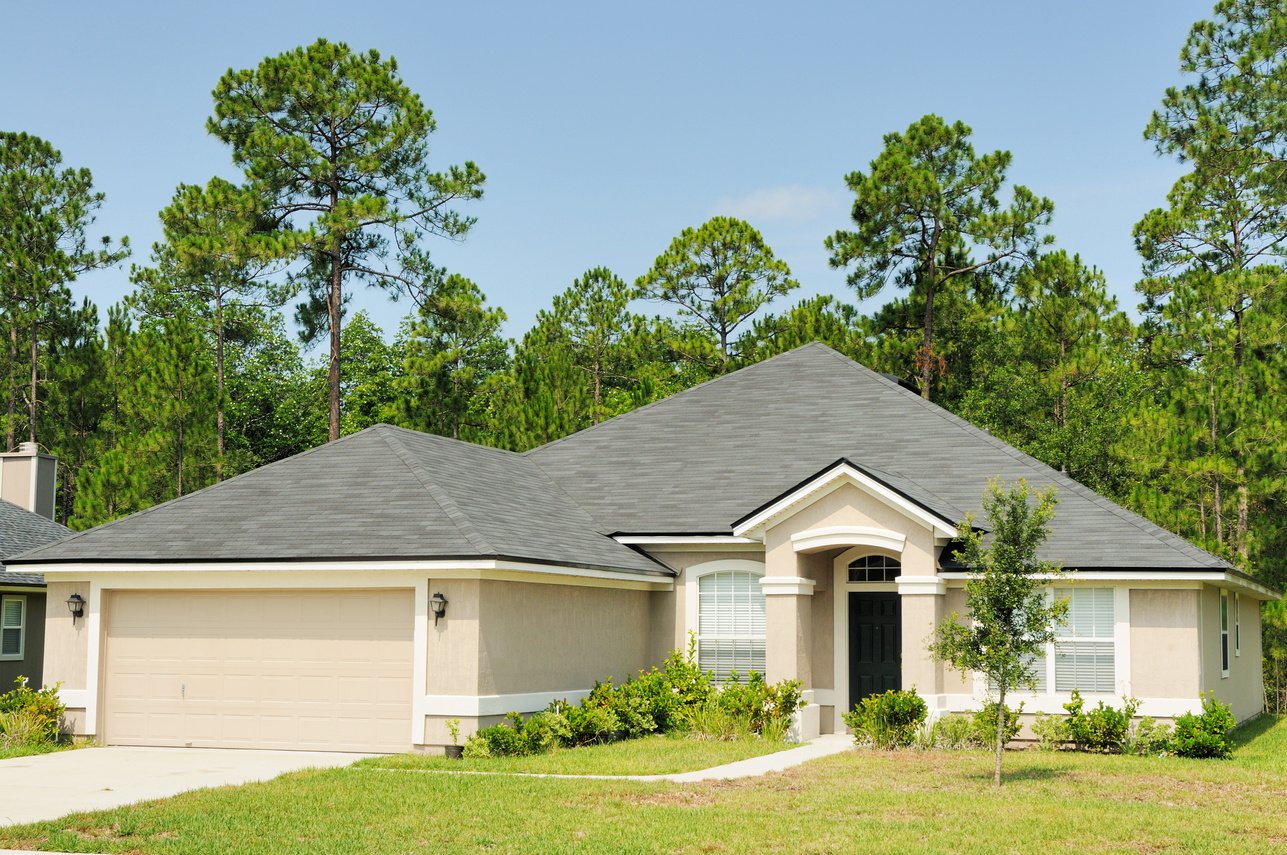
[604,129]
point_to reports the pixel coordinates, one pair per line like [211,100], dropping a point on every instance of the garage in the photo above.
[310,669]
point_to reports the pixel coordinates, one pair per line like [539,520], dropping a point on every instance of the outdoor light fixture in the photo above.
[438,604]
[76,605]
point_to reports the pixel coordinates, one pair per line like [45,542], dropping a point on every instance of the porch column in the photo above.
[921,600]
[788,637]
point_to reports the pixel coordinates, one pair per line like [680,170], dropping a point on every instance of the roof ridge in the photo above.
[1126,515]
[437,437]
[177,499]
[680,394]
[459,519]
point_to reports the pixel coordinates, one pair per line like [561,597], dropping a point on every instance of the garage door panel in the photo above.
[314,670]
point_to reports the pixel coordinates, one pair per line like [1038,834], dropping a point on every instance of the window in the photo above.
[1224,633]
[1237,626]
[874,568]
[1084,649]
[730,623]
[13,622]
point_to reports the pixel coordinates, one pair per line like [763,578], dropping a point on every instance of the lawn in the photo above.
[656,755]
[902,802]
[7,751]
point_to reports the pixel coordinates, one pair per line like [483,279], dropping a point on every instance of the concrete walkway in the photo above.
[822,746]
[49,786]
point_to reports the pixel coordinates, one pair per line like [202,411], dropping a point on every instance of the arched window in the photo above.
[874,568]
[730,622]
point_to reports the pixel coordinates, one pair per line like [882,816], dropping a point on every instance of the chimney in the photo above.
[27,479]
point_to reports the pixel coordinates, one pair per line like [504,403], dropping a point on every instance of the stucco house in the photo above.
[26,521]
[797,516]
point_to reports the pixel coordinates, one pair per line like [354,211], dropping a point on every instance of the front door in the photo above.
[875,644]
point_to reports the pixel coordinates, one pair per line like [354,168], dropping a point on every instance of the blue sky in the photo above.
[605,128]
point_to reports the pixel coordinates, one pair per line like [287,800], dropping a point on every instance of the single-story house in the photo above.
[797,517]
[26,521]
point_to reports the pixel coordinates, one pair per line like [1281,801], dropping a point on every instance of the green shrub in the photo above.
[477,746]
[952,732]
[584,725]
[516,737]
[45,711]
[888,720]
[983,727]
[1051,731]
[1207,734]
[1103,729]
[741,709]
[22,727]
[717,721]
[1147,737]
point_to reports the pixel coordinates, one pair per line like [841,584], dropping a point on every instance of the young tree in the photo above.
[719,274]
[927,207]
[339,144]
[219,261]
[1010,618]
[45,212]
[453,348]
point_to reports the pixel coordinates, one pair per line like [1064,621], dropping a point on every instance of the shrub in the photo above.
[1103,729]
[983,727]
[952,732]
[1051,732]
[1147,737]
[740,709]
[888,720]
[43,706]
[22,727]
[1207,734]
[584,725]
[516,737]
[713,720]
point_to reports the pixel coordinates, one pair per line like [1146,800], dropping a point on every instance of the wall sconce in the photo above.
[438,605]
[76,605]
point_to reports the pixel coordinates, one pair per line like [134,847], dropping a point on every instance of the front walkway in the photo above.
[49,786]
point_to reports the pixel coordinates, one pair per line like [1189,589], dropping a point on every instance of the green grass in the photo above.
[7,751]
[656,755]
[903,802]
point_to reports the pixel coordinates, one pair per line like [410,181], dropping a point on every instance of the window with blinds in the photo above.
[1084,649]
[13,618]
[730,623]
[874,568]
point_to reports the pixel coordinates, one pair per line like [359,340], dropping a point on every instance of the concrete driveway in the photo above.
[48,786]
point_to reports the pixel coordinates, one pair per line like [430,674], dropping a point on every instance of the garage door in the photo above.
[310,670]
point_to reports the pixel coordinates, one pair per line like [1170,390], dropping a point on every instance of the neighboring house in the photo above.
[797,516]
[26,521]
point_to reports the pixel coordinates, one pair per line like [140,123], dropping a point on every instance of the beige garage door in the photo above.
[309,670]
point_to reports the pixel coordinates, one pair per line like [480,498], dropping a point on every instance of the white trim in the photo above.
[774,586]
[74,699]
[436,568]
[1122,640]
[1237,624]
[848,535]
[419,660]
[1225,650]
[691,543]
[831,481]
[911,586]
[692,627]
[472,706]
[93,659]
[1092,577]
[21,627]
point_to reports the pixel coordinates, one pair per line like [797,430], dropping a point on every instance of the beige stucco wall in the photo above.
[547,638]
[15,480]
[818,566]
[1243,689]
[953,681]
[1164,643]
[66,646]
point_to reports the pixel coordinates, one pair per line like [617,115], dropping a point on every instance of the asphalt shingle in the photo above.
[21,530]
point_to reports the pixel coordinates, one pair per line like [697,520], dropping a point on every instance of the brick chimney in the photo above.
[27,479]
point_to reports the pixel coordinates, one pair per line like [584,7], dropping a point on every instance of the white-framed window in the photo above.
[874,568]
[1085,651]
[1224,633]
[730,620]
[13,626]
[1237,625]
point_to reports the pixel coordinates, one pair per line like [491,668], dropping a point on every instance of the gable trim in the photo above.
[848,535]
[839,474]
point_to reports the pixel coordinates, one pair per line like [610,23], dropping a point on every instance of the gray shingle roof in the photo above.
[702,459]
[383,493]
[21,530]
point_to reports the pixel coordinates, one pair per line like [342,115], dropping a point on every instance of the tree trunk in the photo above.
[219,402]
[996,770]
[927,342]
[1217,501]
[11,428]
[598,391]
[333,304]
[35,379]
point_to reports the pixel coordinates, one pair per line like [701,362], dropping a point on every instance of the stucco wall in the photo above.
[818,567]
[66,646]
[667,628]
[954,682]
[1164,643]
[32,663]
[1243,689]
[451,660]
[547,638]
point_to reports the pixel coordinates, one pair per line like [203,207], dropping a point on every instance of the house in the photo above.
[26,521]
[796,516]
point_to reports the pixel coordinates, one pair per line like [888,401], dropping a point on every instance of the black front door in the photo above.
[875,645]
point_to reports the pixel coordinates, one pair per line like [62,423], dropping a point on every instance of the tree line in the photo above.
[194,377]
